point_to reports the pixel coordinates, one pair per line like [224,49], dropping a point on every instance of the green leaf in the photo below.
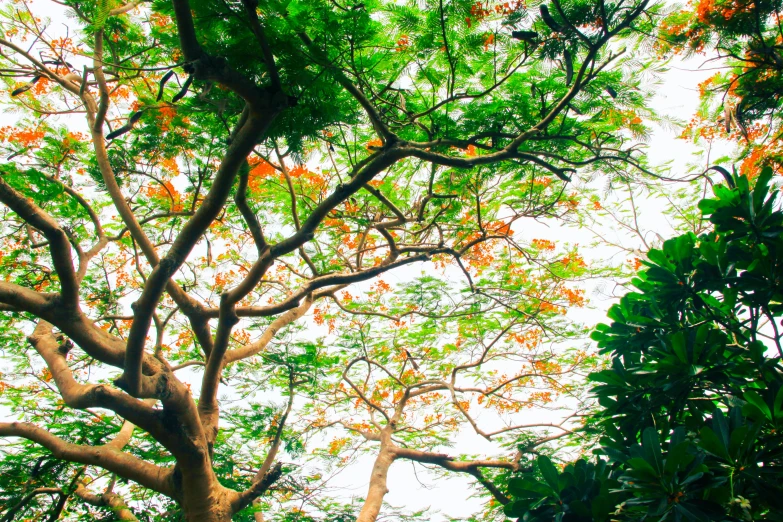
[710,442]
[549,473]
[778,406]
[678,345]
[526,487]
[601,507]
[761,189]
[641,465]
[607,376]
[720,426]
[652,449]
[756,400]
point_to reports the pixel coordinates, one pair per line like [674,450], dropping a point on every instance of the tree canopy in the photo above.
[246,242]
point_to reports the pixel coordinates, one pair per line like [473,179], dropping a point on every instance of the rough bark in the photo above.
[215,507]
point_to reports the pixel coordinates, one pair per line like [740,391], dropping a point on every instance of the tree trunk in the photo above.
[220,512]
[214,506]
[378,489]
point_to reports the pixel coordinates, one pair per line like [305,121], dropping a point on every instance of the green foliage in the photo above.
[456,130]
[741,103]
[745,33]
[582,491]
[692,405]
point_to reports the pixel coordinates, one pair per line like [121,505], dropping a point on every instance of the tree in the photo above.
[163,173]
[692,405]
[742,102]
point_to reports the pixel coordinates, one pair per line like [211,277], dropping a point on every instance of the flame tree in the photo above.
[740,102]
[188,185]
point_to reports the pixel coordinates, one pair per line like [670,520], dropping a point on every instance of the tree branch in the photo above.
[191,232]
[280,322]
[148,475]
[107,499]
[258,488]
[59,245]
[13,510]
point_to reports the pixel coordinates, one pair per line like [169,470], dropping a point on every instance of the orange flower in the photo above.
[166,191]
[575,297]
[543,244]
[298,171]
[41,86]
[23,137]
[546,306]
[170,164]
[121,92]
[259,170]
[159,20]
[489,39]
[165,115]
[574,260]
[403,43]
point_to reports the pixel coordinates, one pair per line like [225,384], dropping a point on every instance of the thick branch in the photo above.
[258,488]
[25,299]
[186,240]
[124,465]
[206,67]
[59,245]
[189,306]
[82,396]
[240,199]
[447,462]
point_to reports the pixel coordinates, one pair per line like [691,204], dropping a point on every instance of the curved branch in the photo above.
[280,322]
[321,282]
[13,510]
[449,463]
[380,127]
[125,8]
[148,475]
[260,34]
[59,245]
[143,308]
[83,396]
[107,499]
[360,393]
[206,67]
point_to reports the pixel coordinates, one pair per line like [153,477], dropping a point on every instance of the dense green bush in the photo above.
[691,410]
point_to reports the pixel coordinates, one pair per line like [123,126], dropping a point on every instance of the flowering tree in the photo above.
[187,181]
[741,102]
